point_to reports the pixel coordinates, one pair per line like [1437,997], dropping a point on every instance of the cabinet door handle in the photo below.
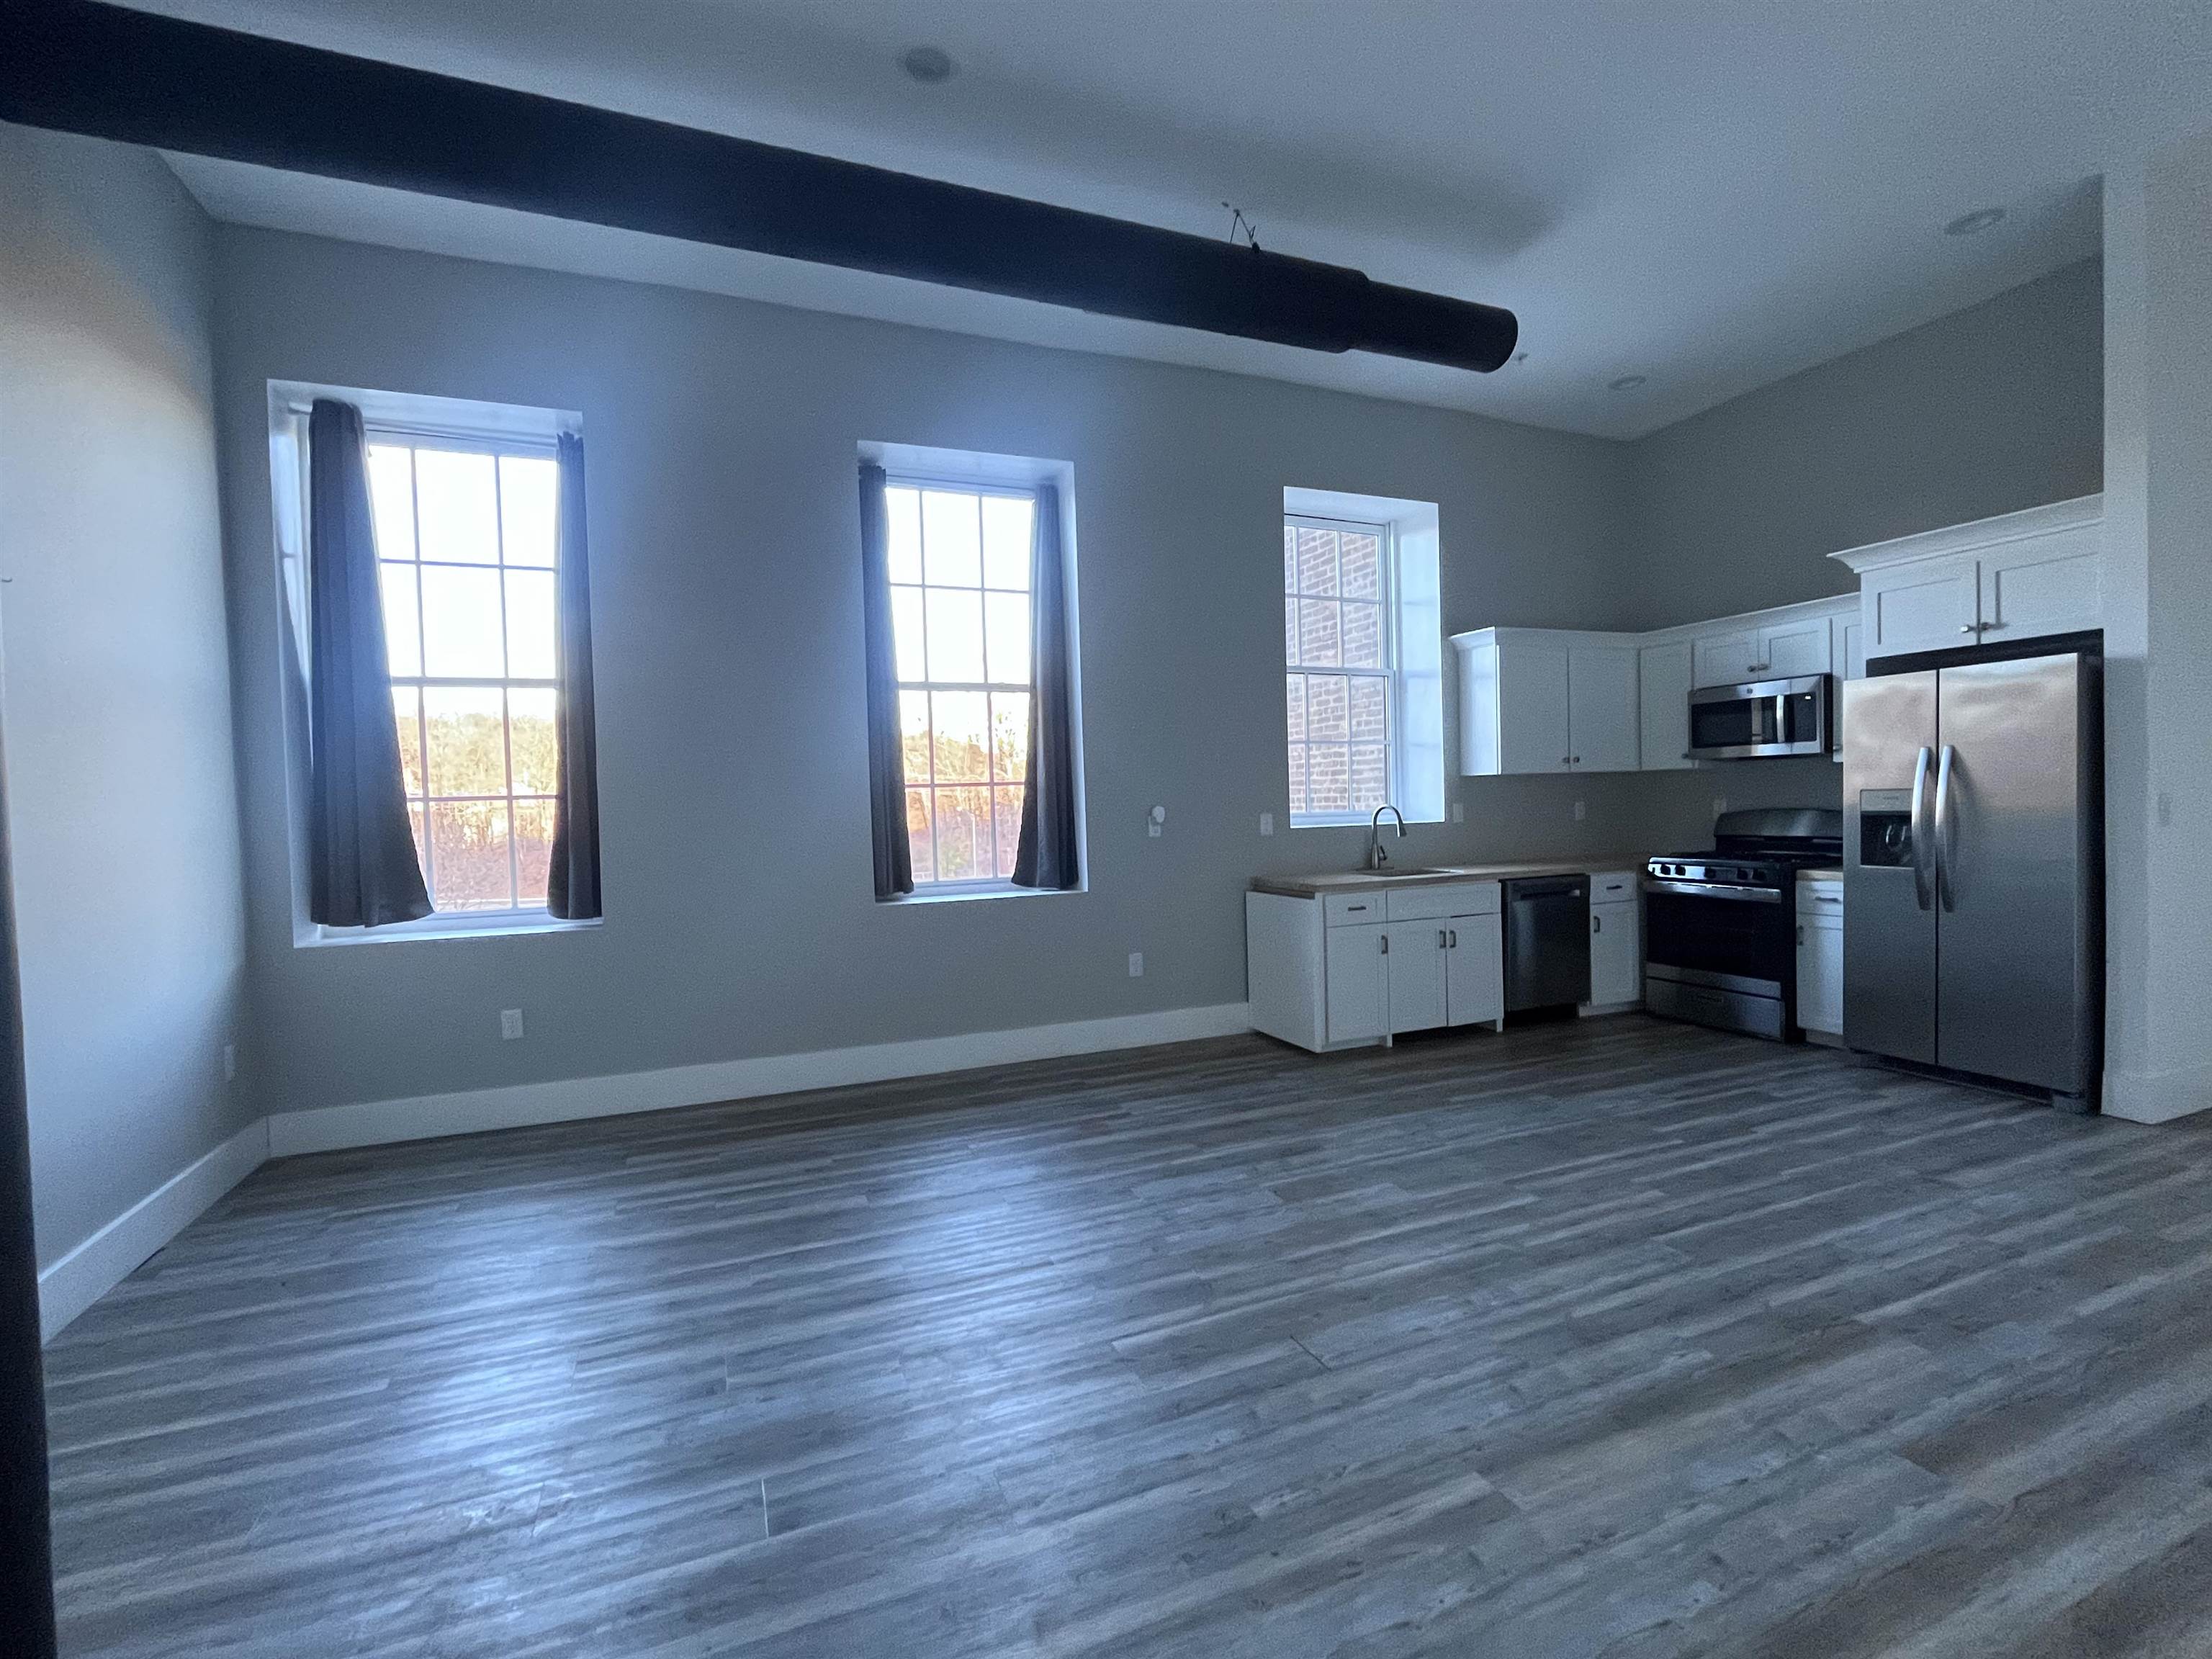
[1825,898]
[1454,946]
[1597,924]
[1801,932]
[1444,938]
[1966,628]
[1383,939]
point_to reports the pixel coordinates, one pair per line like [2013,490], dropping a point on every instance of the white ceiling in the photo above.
[1711,193]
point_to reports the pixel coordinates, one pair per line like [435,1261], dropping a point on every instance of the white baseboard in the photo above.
[104,1261]
[425,1116]
[2158,1096]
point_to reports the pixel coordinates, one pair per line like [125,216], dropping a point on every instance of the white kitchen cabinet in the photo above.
[1475,969]
[1662,712]
[1365,963]
[1850,665]
[1791,650]
[1359,983]
[2018,577]
[1820,958]
[1728,659]
[1616,941]
[1536,700]
[1413,957]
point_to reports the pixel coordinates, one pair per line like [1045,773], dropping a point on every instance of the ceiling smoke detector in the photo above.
[1968,224]
[930,65]
[1627,382]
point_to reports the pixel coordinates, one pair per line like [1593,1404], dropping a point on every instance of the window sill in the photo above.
[502,925]
[1361,822]
[996,890]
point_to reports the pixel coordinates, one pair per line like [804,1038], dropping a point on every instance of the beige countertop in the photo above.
[1342,881]
[1820,875]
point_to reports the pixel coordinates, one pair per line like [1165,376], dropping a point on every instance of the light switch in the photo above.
[1459,811]
[1267,824]
[1581,812]
[1136,964]
[510,1025]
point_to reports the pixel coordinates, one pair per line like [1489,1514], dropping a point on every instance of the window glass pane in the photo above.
[403,622]
[1006,816]
[1370,776]
[1328,778]
[1006,637]
[468,845]
[1290,560]
[415,812]
[530,624]
[903,545]
[1328,708]
[906,633]
[1010,736]
[1321,632]
[529,508]
[1370,705]
[956,635]
[951,542]
[467,727]
[533,850]
[391,500]
[457,515]
[1297,777]
[1361,554]
[531,745]
[1363,635]
[914,735]
[961,737]
[461,624]
[1008,521]
[1290,631]
[406,706]
[918,833]
[1317,561]
[1294,691]
[964,834]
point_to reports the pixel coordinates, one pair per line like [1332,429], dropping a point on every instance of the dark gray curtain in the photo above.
[1048,855]
[362,869]
[573,889]
[886,767]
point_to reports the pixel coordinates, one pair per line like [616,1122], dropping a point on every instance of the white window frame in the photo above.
[1394,761]
[979,886]
[418,420]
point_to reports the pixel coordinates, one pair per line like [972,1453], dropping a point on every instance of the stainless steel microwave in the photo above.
[1762,717]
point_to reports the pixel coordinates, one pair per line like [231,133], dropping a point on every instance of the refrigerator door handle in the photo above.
[1922,839]
[1945,819]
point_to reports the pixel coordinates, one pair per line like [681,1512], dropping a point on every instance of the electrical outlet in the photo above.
[510,1025]
[230,1062]
[2164,810]
[1459,811]
[1720,804]
[1136,964]
[1581,812]
[1267,824]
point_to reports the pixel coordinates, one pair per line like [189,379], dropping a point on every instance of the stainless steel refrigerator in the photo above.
[1973,867]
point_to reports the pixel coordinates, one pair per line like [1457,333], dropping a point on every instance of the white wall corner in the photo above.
[423,1117]
[106,1258]
[2158,1096]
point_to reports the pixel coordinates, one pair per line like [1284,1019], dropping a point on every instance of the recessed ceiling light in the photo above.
[1966,224]
[1627,382]
[930,65]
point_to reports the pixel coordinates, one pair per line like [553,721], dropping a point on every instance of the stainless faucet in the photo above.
[1376,857]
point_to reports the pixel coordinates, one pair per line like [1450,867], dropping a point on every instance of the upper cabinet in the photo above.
[1782,650]
[1541,700]
[2021,576]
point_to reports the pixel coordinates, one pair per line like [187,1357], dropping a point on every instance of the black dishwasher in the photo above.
[1547,951]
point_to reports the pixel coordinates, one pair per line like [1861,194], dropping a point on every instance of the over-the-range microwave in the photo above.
[1762,717]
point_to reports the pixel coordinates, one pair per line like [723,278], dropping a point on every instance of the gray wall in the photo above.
[720,438]
[123,800]
[1995,408]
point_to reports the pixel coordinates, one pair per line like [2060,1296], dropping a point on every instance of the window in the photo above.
[959,564]
[1339,643]
[465,541]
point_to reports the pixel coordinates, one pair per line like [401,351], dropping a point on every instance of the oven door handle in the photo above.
[1714,889]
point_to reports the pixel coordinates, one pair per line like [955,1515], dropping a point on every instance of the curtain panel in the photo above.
[894,854]
[1048,854]
[363,871]
[573,882]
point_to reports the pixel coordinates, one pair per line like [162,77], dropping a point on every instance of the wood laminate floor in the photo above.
[1610,1338]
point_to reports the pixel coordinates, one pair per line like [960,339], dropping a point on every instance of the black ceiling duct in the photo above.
[114,73]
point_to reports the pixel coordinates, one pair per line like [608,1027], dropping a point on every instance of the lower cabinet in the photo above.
[1345,970]
[1616,941]
[1820,958]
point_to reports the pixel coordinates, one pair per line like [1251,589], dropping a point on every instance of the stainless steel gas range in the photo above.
[1719,927]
